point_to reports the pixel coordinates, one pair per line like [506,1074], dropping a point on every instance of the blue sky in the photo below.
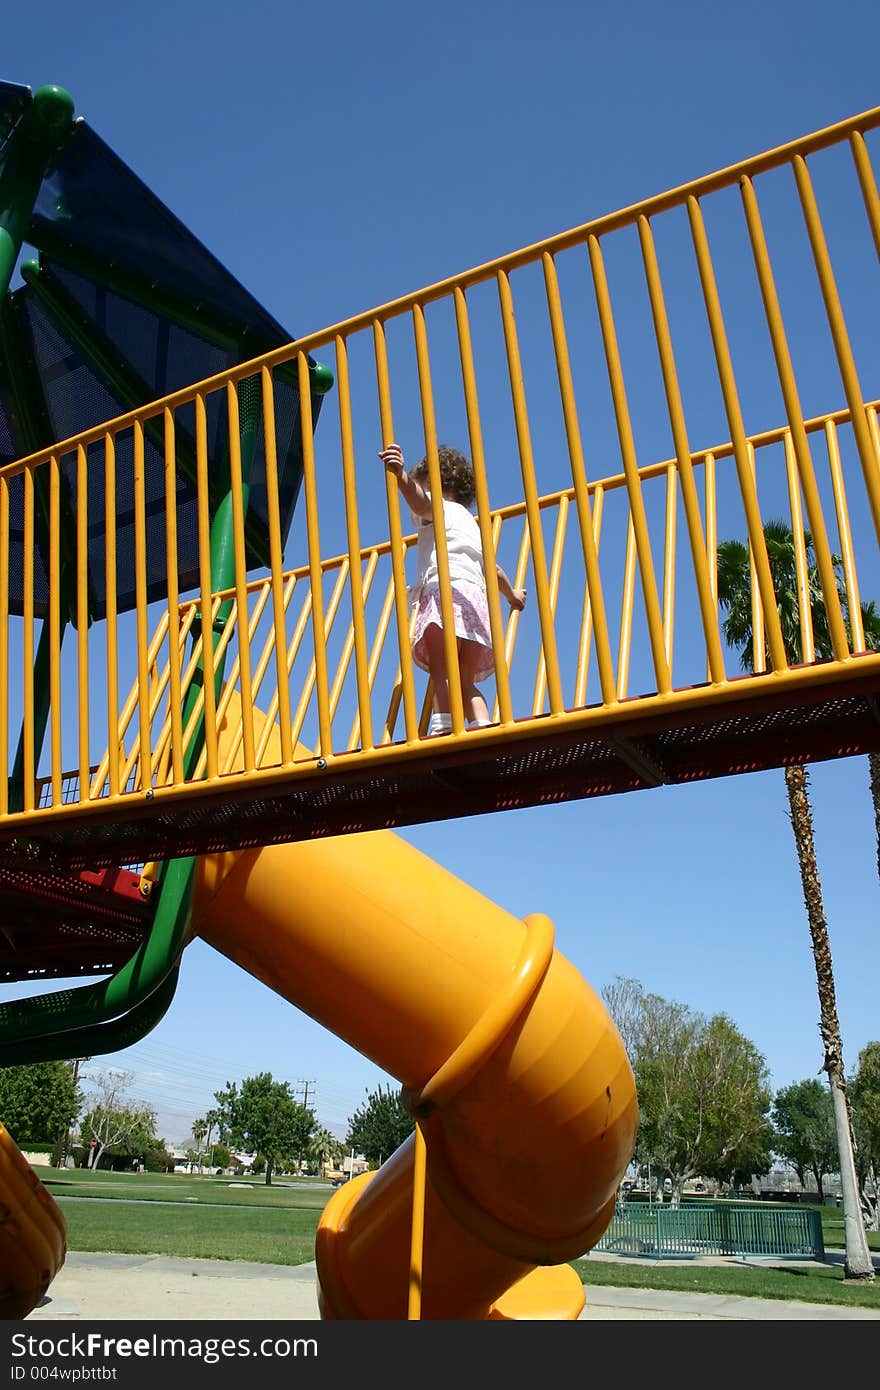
[335,158]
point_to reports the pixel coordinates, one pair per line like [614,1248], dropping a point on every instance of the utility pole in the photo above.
[65,1143]
[305,1085]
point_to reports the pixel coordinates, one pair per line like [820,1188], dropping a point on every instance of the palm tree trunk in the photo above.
[874,773]
[857,1260]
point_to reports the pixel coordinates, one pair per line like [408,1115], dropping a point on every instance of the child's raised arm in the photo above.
[515,597]
[412,492]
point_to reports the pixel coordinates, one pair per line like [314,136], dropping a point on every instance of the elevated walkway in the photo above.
[567,725]
[619,675]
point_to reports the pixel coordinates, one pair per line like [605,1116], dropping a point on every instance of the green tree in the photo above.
[380,1126]
[865,1093]
[221,1157]
[804,1119]
[266,1118]
[735,599]
[702,1089]
[38,1103]
[116,1127]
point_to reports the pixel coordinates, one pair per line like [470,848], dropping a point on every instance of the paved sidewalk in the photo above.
[106,1288]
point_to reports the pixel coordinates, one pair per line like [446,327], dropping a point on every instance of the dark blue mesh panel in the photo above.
[164,355]
[13,100]
[95,201]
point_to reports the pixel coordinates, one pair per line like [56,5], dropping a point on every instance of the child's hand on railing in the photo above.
[392,457]
[518,599]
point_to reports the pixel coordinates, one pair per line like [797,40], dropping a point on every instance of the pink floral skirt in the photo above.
[471,623]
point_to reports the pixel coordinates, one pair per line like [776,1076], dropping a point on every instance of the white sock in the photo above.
[440,724]
[480,724]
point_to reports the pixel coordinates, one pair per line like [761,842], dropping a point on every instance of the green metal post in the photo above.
[26,156]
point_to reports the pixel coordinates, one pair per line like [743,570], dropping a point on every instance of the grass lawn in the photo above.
[175,1187]
[207,1218]
[285,1236]
[796,1283]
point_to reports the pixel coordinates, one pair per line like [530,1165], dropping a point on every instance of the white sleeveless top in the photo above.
[462,543]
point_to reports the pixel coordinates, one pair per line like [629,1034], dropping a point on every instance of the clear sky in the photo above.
[335,157]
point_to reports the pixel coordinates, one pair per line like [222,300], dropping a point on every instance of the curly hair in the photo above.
[456,475]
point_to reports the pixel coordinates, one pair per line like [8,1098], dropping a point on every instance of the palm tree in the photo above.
[199,1130]
[324,1150]
[871,627]
[735,598]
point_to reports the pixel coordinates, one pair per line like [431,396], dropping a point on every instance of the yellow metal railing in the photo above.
[512,356]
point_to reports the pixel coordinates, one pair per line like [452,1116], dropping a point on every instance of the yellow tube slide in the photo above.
[33,1236]
[514,1061]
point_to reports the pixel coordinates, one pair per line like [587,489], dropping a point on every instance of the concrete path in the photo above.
[106,1288]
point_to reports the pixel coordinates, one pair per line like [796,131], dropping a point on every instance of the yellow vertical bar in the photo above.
[401,606]
[4,647]
[475,434]
[741,454]
[513,620]
[276,561]
[209,695]
[533,513]
[555,573]
[239,559]
[140,584]
[583,663]
[626,611]
[27,561]
[711,533]
[311,679]
[259,673]
[314,548]
[853,600]
[708,612]
[796,423]
[273,703]
[55,629]
[596,601]
[82,614]
[111,613]
[631,470]
[868,184]
[450,642]
[417,1238]
[352,532]
[801,567]
[840,337]
[373,666]
[759,644]
[669,565]
[175,695]
[347,649]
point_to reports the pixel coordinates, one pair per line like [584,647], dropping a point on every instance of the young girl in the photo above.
[467,581]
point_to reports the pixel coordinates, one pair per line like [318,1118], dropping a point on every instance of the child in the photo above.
[467,581]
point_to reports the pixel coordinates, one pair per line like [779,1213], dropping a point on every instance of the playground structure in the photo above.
[272,737]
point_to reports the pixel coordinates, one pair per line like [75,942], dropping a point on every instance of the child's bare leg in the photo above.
[437,668]
[476,711]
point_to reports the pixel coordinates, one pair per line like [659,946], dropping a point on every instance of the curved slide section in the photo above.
[513,1065]
[33,1236]
[512,1061]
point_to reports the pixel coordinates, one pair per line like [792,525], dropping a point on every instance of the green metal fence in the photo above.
[664,1233]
